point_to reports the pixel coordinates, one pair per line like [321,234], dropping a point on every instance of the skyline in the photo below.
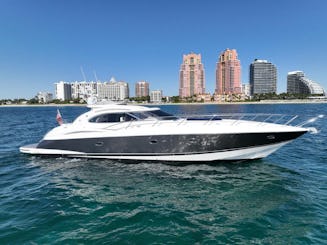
[44,42]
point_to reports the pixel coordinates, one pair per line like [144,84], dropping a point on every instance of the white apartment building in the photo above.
[103,90]
[113,90]
[246,89]
[117,91]
[44,97]
[156,96]
[63,91]
[83,90]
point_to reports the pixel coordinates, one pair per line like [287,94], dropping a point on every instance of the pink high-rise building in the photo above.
[228,73]
[142,89]
[191,76]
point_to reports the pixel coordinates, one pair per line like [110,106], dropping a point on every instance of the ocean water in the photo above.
[281,199]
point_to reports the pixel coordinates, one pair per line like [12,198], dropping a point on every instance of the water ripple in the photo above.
[279,200]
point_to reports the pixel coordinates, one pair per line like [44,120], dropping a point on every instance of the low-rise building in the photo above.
[246,89]
[203,97]
[156,96]
[44,97]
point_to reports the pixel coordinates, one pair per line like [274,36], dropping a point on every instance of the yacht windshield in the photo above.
[131,116]
[161,115]
[157,114]
[112,118]
[139,115]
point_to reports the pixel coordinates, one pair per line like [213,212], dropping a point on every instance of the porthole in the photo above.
[271,137]
[99,144]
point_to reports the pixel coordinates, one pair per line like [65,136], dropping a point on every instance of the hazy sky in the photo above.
[45,41]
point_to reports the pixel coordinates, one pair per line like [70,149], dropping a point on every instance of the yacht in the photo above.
[132,132]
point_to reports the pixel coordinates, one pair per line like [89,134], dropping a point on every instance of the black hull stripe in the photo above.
[168,144]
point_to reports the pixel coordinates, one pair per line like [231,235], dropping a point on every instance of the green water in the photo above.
[278,200]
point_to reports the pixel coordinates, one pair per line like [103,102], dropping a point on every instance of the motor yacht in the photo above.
[132,132]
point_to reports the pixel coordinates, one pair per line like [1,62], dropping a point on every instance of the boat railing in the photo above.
[238,117]
[235,118]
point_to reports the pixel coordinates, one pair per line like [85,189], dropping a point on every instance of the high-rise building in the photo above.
[228,73]
[142,89]
[63,91]
[263,77]
[191,76]
[298,83]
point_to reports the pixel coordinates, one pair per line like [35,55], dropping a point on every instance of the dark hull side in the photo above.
[169,144]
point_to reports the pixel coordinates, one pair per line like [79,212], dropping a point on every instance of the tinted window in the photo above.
[163,115]
[110,118]
[139,115]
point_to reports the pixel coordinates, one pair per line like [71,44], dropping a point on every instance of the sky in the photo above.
[46,41]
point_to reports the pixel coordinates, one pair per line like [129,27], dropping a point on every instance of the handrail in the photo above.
[291,120]
[207,119]
[258,117]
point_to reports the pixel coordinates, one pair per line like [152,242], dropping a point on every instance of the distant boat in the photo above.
[130,132]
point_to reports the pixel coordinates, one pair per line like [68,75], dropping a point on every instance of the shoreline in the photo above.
[42,105]
[246,102]
[185,103]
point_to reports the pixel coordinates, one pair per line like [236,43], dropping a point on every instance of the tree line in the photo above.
[173,99]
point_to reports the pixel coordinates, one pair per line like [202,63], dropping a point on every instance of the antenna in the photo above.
[95,75]
[83,74]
